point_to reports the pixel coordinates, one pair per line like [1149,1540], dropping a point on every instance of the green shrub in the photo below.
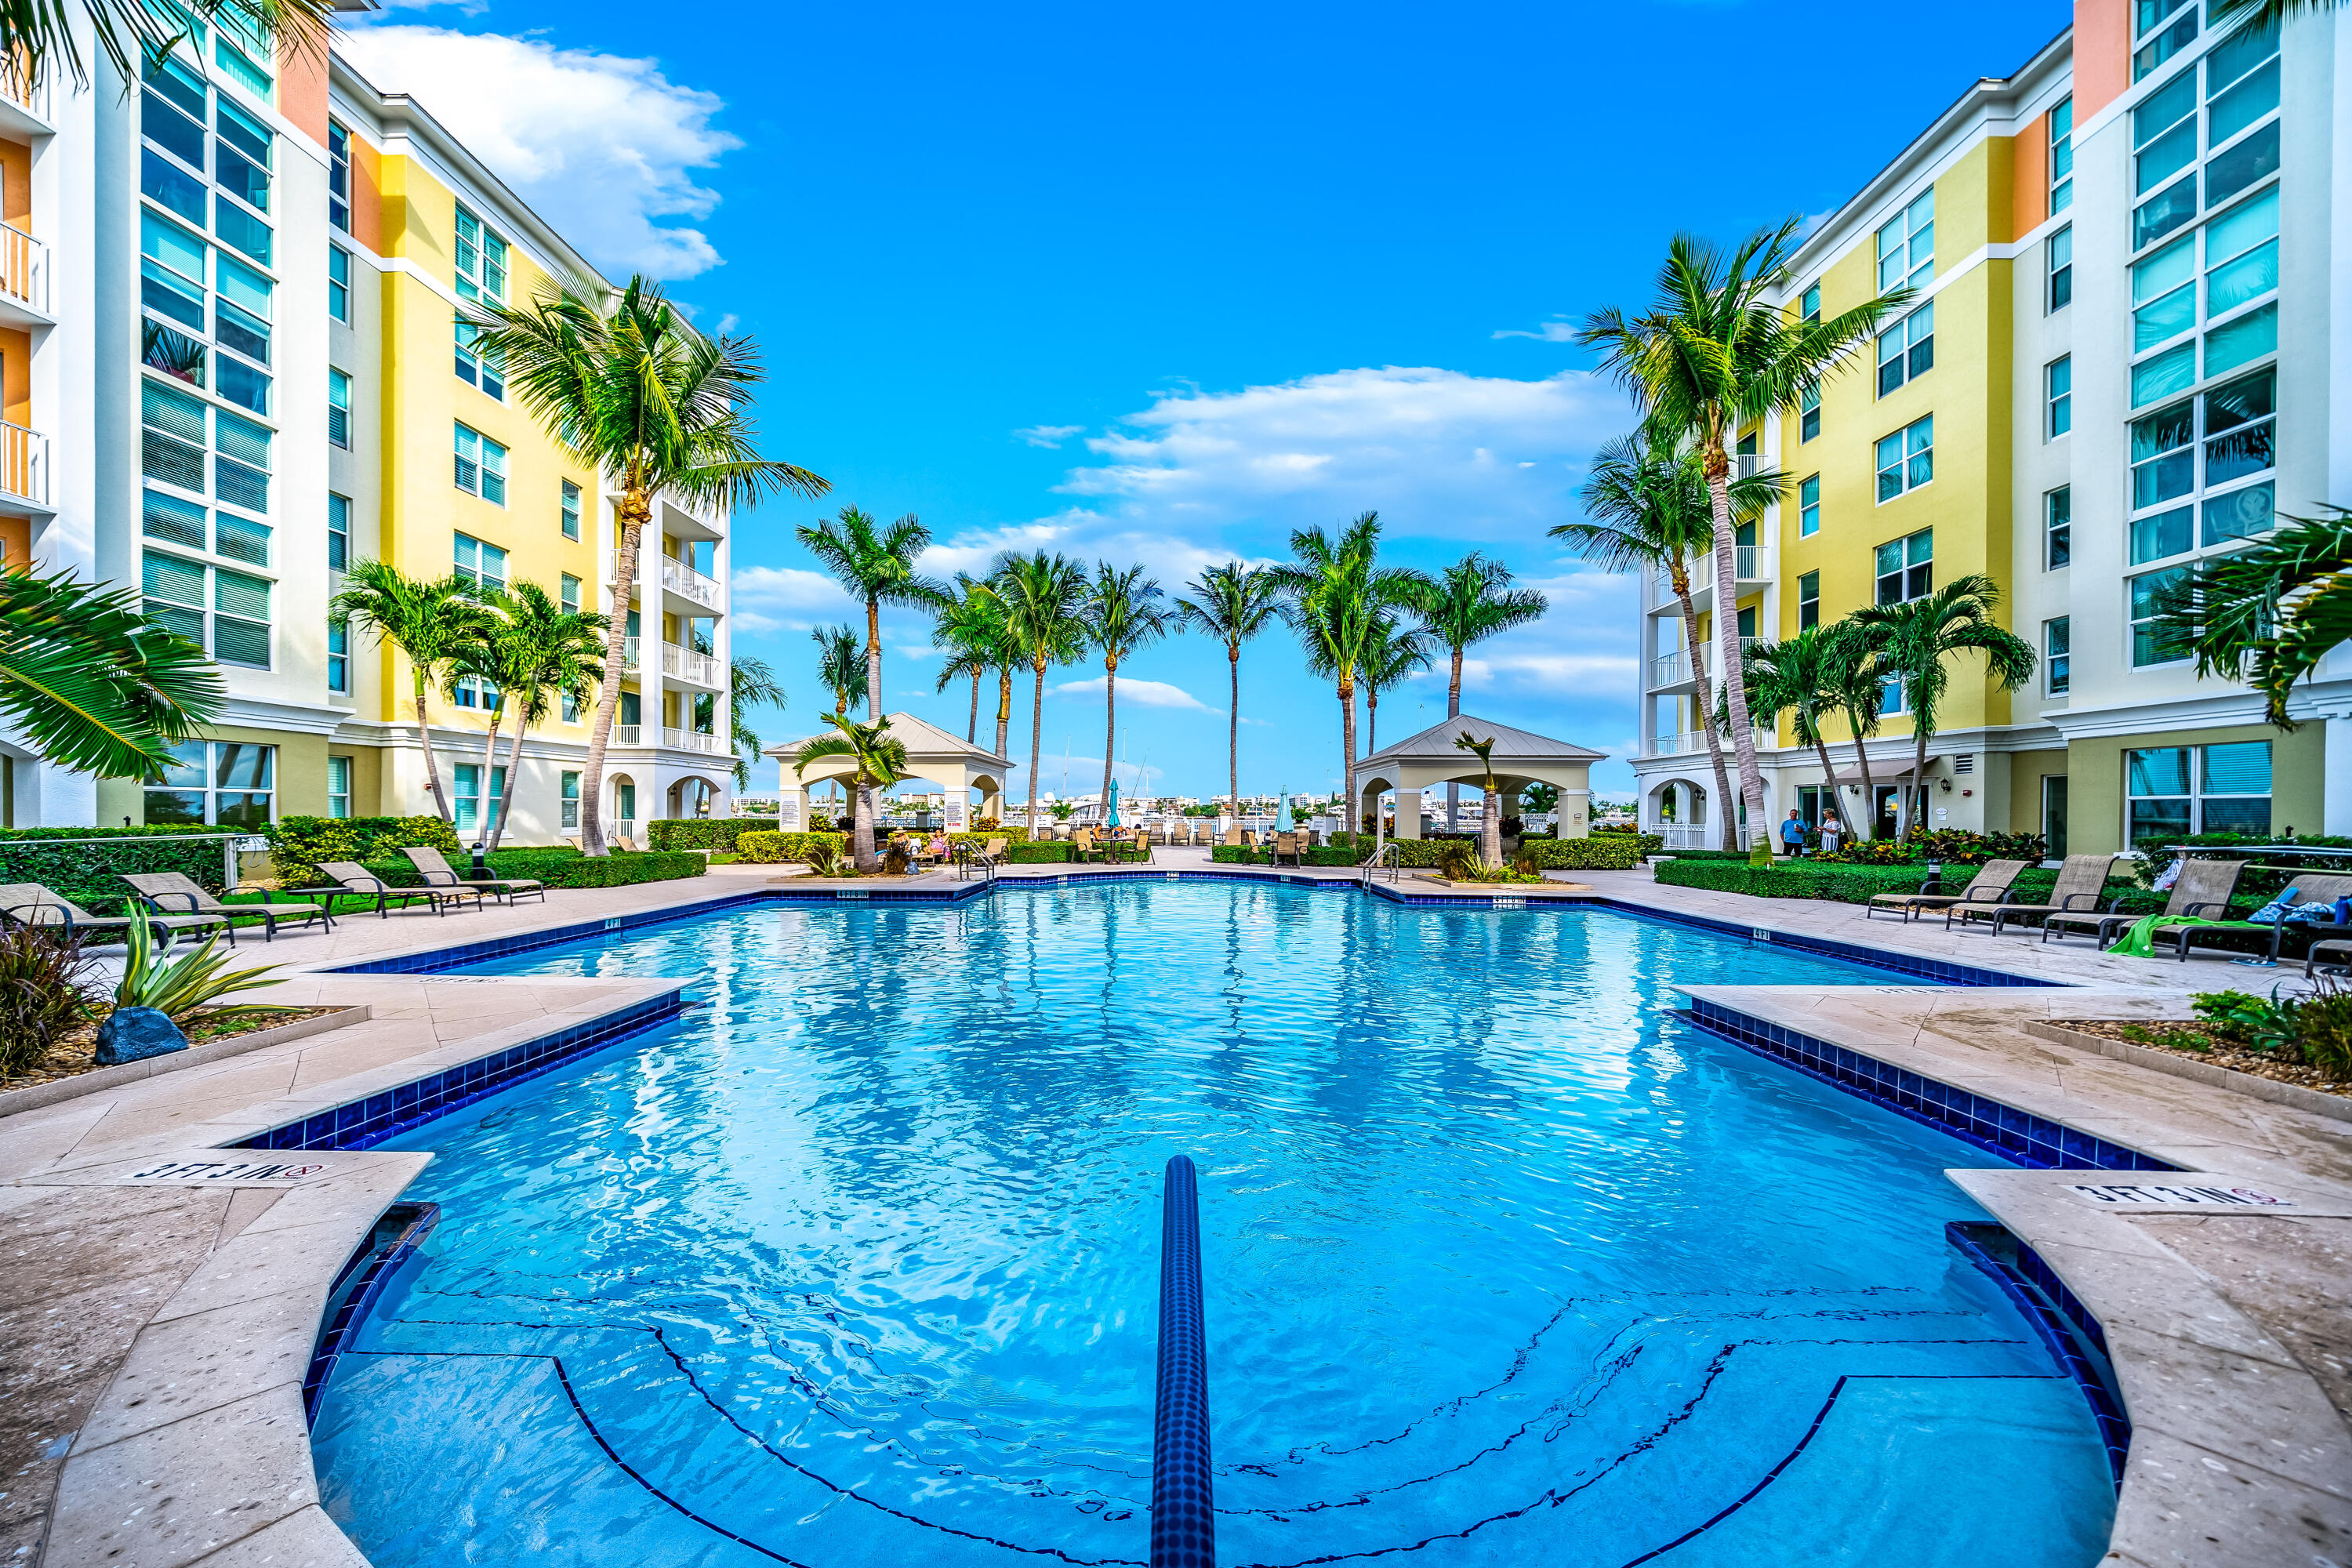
[1652,843]
[2157,857]
[91,874]
[1804,879]
[1601,852]
[1949,846]
[703,832]
[1320,855]
[296,844]
[559,867]
[766,847]
[42,998]
[1049,853]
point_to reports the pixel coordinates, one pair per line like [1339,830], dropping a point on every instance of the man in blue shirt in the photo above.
[1792,832]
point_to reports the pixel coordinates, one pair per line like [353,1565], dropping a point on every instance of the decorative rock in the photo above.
[134,1034]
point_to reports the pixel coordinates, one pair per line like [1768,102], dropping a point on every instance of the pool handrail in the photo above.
[1183,1525]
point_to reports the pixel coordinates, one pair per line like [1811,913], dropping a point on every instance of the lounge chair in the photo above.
[623,842]
[2202,889]
[2081,879]
[2306,890]
[2334,954]
[353,880]
[1990,886]
[171,892]
[438,873]
[31,904]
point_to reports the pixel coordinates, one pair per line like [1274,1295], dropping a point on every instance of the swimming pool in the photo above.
[858,1264]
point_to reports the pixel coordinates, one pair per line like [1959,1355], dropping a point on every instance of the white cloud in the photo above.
[1049,436]
[1559,329]
[603,146]
[1143,693]
[788,599]
[1555,670]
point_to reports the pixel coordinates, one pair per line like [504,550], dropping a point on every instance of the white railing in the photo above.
[688,583]
[1750,563]
[1746,465]
[1681,837]
[690,740]
[25,463]
[1670,670]
[628,734]
[685,664]
[1677,745]
[612,572]
[24,267]
[629,653]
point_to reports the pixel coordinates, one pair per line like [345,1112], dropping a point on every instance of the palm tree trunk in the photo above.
[1727,637]
[489,766]
[1348,739]
[1697,651]
[630,512]
[1110,727]
[1867,827]
[861,828]
[1453,710]
[1371,719]
[514,771]
[1036,745]
[431,765]
[1923,730]
[1829,778]
[873,659]
[971,730]
[1490,829]
[1004,706]
[1234,732]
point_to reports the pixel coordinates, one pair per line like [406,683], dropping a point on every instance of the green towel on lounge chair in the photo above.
[2138,939]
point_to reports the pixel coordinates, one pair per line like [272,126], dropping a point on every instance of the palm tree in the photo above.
[1923,635]
[751,683]
[1469,602]
[429,621]
[95,684]
[2270,611]
[37,34]
[1044,614]
[548,653]
[1231,604]
[880,762]
[1392,652]
[970,630]
[1801,676]
[1646,509]
[841,663]
[629,389]
[879,568]
[1333,593]
[1490,823]
[1859,686]
[1123,615]
[1712,355]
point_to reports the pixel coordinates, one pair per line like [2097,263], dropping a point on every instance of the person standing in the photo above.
[1792,834]
[1830,834]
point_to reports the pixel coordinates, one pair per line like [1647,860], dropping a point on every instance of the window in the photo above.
[339,532]
[484,565]
[1809,507]
[216,783]
[473,691]
[469,809]
[226,613]
[338,176]
[2061,252]
[2058,379]
[1907,349]
[1906,460]
[482,259]
[2175,475]
[570,509]
[339,284]
[172,453]
[2153,643]
[571,706]
[2057,641]
[478,367]
[2062,157]
[338,787]
[2161,28]
[2240,135]
[569,588]
[338,656]
[1808,306]
[1809,600]
[2057,527]
[481,465]
[1907,569]
[339,409]
[2176,791]
[572,802]
[1906,246]
[1809,413]
[1893,697]
[195,297]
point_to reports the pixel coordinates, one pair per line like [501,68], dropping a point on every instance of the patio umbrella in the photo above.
[1113,821]
[1281,820]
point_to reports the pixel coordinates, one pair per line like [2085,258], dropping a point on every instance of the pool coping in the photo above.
[381,1114]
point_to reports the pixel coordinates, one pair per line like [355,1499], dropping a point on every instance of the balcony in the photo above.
[678,578]
[1751,568]
[25,107]
[629,655]
[694,668]
[1680,667]
[689,740]
[628,734]
[24,278]
[1677,745]
[24,467]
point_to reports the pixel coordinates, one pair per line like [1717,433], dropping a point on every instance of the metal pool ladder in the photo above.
[1386,853]
[1183,1525]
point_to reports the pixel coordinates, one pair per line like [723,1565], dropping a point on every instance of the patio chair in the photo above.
[623,842]
[1286,844]
[353,880]
[2300,890]
[31,904]
[172,892]
[1990,885]
[1141,840]
[1082,844]
[1233,838]
[994,852]
[2333,954]
[2203,889]
[2081,879]
[438,873]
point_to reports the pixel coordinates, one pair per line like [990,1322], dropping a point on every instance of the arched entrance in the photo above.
[621,807]
[692,796]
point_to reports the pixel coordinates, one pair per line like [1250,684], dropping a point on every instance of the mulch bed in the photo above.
[2196,1042]
[76,1052]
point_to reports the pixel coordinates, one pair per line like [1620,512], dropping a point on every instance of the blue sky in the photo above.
[1162,284]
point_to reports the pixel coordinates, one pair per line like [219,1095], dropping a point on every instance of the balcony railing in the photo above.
[629,655]
[24,268]
[628,734]
[25,463]
[1676,745]
[612,572]
[1670,670]
[688,583]
[690,740]
[695,668]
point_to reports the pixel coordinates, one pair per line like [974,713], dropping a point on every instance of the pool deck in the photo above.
[163,1293]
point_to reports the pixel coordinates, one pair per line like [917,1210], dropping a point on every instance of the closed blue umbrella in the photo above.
[1113,821]
[1282,819]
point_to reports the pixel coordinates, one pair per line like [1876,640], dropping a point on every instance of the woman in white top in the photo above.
[1829,835]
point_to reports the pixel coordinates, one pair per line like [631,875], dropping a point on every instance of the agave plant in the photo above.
[42,997]
[183,987]
[824,859]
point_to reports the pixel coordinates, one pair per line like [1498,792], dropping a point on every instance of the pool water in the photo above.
[857,1266]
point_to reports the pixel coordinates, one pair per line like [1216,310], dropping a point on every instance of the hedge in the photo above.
[1228,855]
[563,867]
[1601,852]
[716,833]
[296,844]
[89,874]
[766,847]
[1652,843]
[2153,851]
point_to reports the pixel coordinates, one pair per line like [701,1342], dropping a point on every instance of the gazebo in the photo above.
[958,767]
[1420,763]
